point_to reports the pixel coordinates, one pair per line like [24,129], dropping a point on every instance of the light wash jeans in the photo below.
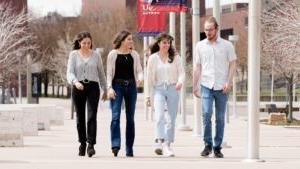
[208,96]
[165,128]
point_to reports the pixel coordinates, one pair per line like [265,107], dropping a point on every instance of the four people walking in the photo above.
[215,66]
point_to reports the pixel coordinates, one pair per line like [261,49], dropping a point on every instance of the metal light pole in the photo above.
[272,81]
[19,79]
[234,39]
[183,126]
[196,38]
[217,12]
[150,41]
[172,26]
[29,80]
[146,112]
[254,35]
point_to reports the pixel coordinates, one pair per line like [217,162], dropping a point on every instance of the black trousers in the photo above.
[90,95]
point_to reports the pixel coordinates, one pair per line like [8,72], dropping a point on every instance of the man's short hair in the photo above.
[212,20]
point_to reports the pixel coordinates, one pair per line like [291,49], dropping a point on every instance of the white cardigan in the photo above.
[176,73]
[111,66]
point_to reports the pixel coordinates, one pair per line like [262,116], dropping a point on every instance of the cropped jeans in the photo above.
[165,95]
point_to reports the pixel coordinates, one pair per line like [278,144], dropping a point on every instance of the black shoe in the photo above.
[129,154]
[82,148]
[115,151]
[218,153]
[207,151]
[90,150]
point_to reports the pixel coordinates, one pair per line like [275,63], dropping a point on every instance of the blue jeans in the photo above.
[129,93]
[208,96]
[165,129]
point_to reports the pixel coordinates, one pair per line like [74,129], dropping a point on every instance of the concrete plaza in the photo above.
[58,148]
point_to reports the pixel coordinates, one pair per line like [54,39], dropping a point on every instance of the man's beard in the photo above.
[211,37]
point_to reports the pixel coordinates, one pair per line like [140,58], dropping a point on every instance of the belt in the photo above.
[124,82]
[86,81]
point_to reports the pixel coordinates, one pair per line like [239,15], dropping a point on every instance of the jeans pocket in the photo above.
[204,93]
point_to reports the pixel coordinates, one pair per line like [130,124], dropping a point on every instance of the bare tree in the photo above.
[281,41]
[15,40]
[55,34]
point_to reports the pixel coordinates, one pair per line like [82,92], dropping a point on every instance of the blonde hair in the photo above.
[212,20]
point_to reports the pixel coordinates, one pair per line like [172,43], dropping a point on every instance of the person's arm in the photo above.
[196,70]
[149,80]
[71,78]
[102,78]
[110,91]
[196,77]
[109,69]
[231,72]
[180,73]
[140,75]
[231,69]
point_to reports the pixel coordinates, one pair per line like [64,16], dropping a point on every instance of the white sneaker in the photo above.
[158,147]
[167,150]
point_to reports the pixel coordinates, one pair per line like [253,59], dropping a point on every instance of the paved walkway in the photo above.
[57,149]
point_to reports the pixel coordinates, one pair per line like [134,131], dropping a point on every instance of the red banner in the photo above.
[169,5]
[149,21]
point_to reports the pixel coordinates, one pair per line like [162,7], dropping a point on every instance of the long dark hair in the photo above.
[120,37]
[155,48]
[79,37]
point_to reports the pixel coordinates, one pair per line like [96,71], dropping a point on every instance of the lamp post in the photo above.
[234,39]
[19,78]
[196,38]
[254,33]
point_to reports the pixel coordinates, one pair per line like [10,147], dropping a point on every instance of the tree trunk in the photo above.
[46,83]
[242,81]
[68,91]
[57,92]
[62,90]
[3,94]
[53,86]
[290,98]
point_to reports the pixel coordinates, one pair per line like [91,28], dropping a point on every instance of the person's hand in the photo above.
[104,96]
[226,87]
[196,91]
[79,86]
[111,93]
[178,86]
[139,82]
[148,102]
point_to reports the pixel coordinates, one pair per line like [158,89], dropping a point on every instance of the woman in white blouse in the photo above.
[164,78]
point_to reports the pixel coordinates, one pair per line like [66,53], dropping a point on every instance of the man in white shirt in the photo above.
[215,65]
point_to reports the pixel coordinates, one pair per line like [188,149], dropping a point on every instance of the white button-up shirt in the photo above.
[214,59]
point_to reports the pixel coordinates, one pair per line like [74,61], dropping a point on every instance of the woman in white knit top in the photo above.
[164,78]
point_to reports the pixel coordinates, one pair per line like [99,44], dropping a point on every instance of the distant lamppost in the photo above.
[29,80]
[19,78]
[272,81]
[234,39]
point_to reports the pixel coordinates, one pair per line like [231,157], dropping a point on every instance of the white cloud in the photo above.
[209,3]
[64,7]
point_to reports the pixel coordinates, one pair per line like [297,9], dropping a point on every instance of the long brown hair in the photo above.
[155,48]
[79,37]
[120,37]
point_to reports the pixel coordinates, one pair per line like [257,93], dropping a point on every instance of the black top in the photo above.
[124,67]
